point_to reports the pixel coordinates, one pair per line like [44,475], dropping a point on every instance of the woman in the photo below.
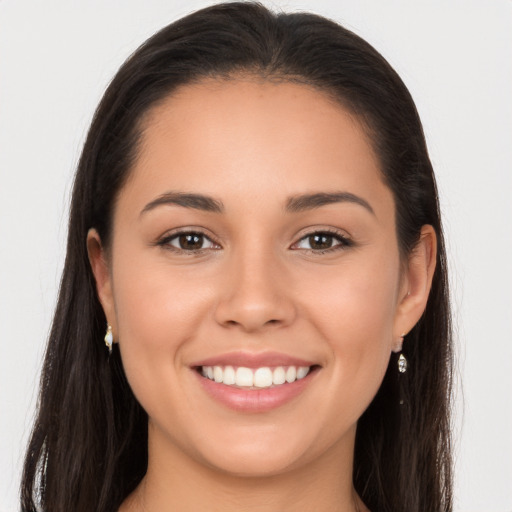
[255,235]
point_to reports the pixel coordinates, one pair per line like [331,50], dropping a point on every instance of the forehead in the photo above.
[251,136]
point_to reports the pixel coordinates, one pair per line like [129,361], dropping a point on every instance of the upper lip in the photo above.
[253,360]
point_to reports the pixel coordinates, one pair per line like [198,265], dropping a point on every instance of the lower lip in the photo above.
[255,400]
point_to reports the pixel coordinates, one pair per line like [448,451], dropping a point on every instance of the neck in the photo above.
[176,481]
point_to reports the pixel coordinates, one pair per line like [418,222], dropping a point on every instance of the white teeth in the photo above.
[291,374]
[263,377]
[217,374]
[229,375]
[279,376]
[244,377]
[302,372]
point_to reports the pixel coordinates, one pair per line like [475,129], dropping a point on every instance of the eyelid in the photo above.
[344,240]
[164,240]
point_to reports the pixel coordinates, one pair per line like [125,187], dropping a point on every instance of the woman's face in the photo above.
[255,236]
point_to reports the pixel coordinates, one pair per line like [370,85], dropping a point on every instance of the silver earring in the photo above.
[109,338]
[402,361]
[402,364]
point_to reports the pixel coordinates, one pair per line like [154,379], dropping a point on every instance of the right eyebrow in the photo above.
[186,200]
[306,202]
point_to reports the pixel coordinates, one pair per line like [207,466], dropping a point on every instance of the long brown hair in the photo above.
[88,448]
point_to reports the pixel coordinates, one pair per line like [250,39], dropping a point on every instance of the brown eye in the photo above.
[189,242]
[320,241]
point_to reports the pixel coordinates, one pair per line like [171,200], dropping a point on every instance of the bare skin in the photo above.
[260,272]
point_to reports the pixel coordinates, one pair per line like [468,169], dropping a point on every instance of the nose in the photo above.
[255,296]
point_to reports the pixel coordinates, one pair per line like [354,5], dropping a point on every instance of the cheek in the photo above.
[155,304]
[355,299]
[157,313]
[354,312]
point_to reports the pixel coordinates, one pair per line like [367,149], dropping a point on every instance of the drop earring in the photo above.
[402,368]
[109,338]
[402,364]
[402,361]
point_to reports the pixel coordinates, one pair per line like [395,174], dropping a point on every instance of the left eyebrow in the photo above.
[306,202]
[186,200]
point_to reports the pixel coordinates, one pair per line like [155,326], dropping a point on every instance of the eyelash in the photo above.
[165,242]
[342,242]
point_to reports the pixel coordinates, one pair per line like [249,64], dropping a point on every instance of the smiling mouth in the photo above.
[255,378]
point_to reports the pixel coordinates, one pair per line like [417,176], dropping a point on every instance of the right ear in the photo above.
[101,271]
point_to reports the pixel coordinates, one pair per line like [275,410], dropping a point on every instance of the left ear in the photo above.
[416,282]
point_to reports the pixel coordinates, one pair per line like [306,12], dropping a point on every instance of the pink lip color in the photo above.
[253,360]
[254,400]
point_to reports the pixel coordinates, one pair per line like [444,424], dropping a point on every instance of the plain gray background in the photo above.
[56,58]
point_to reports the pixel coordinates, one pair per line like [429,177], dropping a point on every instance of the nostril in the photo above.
[268,322]
[251,312]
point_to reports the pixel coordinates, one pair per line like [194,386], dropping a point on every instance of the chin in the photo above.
[246,461]
[264,451]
